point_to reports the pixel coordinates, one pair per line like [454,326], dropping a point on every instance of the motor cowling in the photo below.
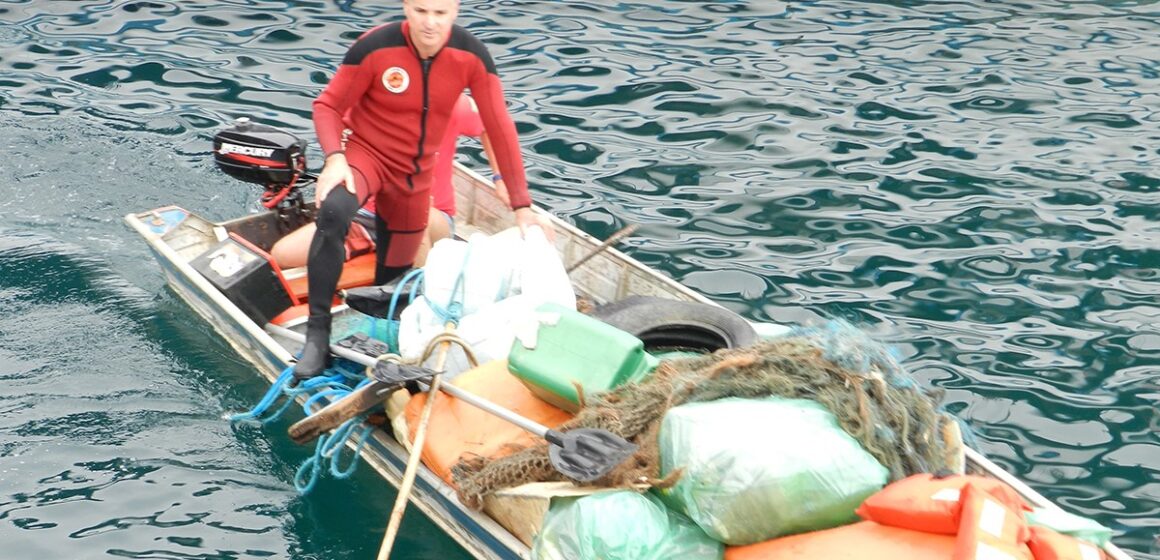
[258,153]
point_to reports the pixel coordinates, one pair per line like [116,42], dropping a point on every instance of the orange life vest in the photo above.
[1047,544]
[923,502]
[989,529]
[861,541]
[962,517]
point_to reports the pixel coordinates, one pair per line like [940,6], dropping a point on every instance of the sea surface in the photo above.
[975,183]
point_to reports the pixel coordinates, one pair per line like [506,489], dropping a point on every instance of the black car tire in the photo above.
[668,324]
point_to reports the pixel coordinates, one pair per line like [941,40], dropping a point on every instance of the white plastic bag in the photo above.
[487,284]
[540,273]
[462,276]
[489,331]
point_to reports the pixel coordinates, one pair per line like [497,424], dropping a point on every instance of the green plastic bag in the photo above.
[759,469]
[620,525]
[1069,524]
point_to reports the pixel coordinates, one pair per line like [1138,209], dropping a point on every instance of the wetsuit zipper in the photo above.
[426,64]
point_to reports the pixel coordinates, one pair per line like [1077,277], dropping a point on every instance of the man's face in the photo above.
[430,22]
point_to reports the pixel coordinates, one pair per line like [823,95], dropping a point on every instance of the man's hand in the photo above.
[335,172]
[526,218]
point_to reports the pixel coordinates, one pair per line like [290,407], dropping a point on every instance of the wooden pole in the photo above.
[612,240]
[416,449]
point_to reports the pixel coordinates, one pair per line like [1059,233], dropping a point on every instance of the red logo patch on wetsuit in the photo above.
[396,79]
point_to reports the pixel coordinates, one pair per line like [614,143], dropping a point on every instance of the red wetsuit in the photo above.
[464,122]
[397,107]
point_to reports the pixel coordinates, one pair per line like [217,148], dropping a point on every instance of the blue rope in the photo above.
[390,334]
[332,449]
[415,275]
[276,389]
[327,453]
[281,388]
[852,349]
[454,309]
[338,393]
[342,381]
[308,468]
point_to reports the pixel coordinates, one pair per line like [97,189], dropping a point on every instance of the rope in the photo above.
[450,337]
[267,400]
[391,334]
[327,452]
[453,312]
[281,388]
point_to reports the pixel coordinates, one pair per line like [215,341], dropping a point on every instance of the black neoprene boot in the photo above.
[316,352]
[323,267]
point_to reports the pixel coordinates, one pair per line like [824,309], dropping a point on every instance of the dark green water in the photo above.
[975,182]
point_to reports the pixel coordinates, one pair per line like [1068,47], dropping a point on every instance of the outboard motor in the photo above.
[268,156]
[240,265]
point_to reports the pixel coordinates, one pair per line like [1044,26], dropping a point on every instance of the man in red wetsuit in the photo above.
[292,249]
[396,87]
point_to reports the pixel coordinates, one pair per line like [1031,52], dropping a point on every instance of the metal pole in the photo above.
[469,398]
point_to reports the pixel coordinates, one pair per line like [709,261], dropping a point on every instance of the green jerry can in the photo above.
[569,349]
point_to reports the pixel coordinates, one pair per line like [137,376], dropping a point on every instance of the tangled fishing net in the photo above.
[858,380]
